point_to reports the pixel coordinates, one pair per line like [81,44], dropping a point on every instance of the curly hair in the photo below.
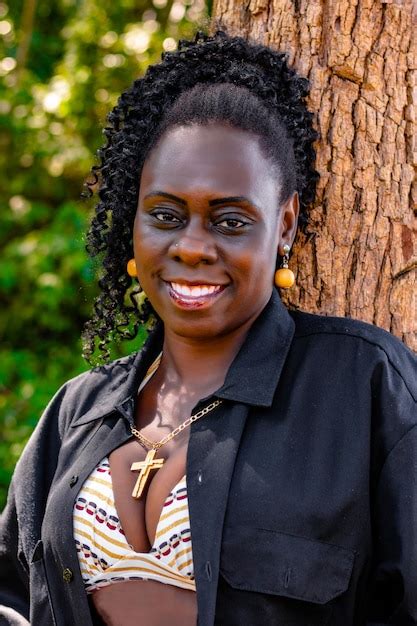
[211,78]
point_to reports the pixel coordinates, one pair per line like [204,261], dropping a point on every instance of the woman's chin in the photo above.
[194,329]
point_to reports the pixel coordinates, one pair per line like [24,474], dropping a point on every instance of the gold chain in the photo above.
[155,445]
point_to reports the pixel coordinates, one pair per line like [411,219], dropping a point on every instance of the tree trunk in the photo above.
[359,258]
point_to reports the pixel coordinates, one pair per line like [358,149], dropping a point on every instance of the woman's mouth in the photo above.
[193,296]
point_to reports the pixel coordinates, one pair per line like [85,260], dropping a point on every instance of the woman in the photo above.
[289,495]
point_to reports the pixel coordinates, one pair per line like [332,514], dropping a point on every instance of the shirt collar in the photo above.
[254,374]
[252,377]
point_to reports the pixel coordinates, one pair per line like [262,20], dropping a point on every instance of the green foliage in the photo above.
[54,99]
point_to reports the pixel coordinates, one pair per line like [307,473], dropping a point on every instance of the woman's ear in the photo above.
[288,220]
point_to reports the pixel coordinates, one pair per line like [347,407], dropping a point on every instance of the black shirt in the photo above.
[302,485]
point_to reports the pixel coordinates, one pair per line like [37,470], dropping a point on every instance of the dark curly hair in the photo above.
[218,78]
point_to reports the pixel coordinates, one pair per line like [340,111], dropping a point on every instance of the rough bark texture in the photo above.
[359,258]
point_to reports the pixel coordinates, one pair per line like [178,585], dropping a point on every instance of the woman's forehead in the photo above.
[226,159]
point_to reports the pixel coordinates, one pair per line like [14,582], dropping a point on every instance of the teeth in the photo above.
[195,291]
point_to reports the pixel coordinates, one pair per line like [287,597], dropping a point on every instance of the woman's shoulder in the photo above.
[370,341]
[98,388]
[314,324]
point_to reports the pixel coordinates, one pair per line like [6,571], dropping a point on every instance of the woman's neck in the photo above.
[196,364]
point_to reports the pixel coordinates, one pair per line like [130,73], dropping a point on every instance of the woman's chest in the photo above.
[302,475]
[157,476]
[295,472]
[148,471]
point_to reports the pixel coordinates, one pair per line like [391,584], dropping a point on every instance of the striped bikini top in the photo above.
[104,555]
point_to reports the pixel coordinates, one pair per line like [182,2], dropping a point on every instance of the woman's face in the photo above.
[207,229]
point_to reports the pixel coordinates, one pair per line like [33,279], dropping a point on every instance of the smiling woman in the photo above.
[232,85]
[250,465]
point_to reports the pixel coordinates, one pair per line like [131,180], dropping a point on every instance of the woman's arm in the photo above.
[393,598]
[21,520]
[14,580]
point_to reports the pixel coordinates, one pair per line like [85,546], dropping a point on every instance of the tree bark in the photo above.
[359,256]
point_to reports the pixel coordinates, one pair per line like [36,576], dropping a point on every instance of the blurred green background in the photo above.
[63,64]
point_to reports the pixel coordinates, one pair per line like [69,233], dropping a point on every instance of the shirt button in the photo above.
[73,481]
[200,477]
[67,575]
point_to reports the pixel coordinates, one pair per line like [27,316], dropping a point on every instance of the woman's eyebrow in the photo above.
[233,199]
[170,196]
[214,202]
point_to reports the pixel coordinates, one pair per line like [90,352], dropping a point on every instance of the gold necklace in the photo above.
[150,463]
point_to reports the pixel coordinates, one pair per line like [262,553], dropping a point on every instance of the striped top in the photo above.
[104,555]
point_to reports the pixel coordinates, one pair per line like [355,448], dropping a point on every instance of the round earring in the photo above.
[284,277]
[131,268]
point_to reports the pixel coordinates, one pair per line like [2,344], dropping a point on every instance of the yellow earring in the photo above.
[284,277]
[131,268]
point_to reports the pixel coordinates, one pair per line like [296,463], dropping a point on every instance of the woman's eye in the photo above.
[231,223]
[165,216]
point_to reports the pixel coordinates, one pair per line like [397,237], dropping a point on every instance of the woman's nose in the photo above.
[193,246]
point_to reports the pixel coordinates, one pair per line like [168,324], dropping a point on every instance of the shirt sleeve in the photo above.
[14,580]
[393,598]
[21,520]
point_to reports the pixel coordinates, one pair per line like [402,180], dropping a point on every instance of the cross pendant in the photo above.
[144,468]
